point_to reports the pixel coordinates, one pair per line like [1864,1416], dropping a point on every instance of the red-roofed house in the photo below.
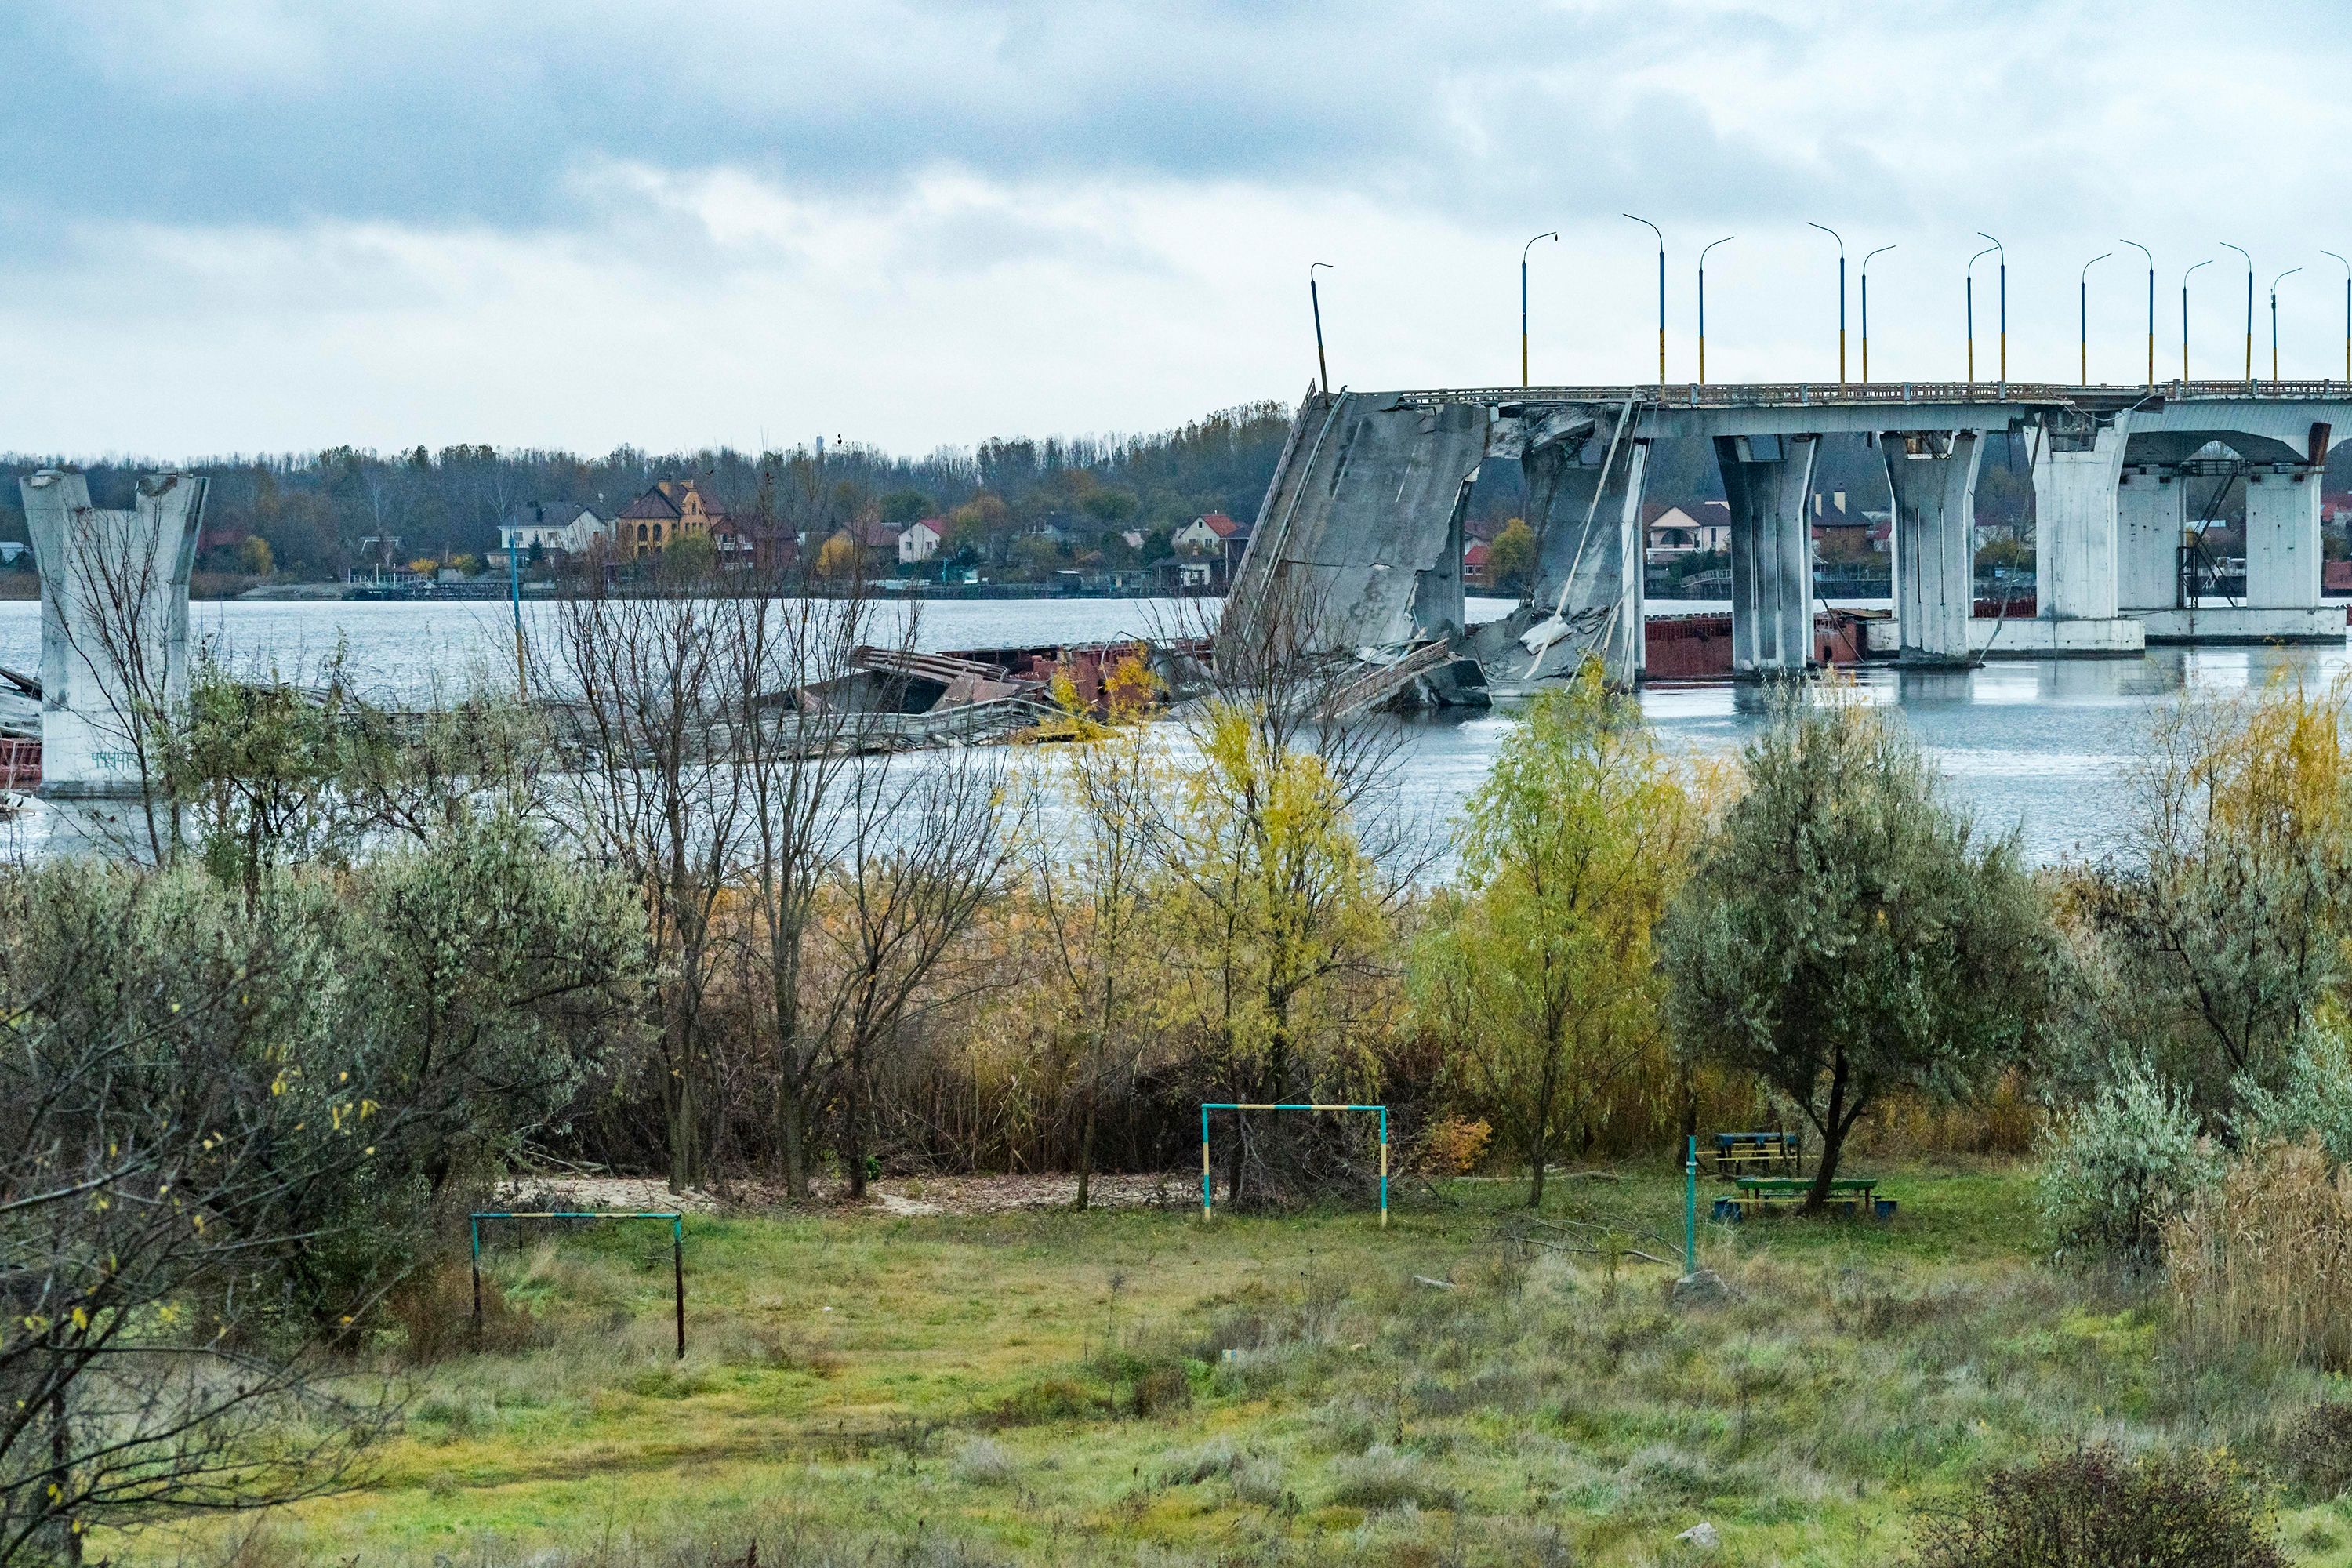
[1207,535]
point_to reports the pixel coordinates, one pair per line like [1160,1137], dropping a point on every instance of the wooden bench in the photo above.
[1754,1154]
[1760,1195]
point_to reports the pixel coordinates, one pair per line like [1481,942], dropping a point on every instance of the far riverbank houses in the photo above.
[671,510]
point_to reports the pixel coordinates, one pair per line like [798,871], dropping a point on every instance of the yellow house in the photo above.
[671,510]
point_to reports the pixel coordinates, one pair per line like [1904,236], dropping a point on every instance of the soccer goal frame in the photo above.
[1207,1200]
[677,1252]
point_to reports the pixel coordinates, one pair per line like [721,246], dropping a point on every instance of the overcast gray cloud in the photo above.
[251,224]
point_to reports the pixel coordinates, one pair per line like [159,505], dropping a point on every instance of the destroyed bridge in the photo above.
[1362,522]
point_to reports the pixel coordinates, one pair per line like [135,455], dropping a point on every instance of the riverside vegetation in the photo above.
[352,968]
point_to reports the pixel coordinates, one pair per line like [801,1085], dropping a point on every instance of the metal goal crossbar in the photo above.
[1234,1105]
[676,1251]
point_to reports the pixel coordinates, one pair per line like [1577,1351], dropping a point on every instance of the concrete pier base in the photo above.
[2319,625]
[1768,481]
[2023,637]
[1933,479]
[114,623]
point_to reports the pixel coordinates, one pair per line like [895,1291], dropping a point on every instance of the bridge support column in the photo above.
[1588,505]
[2282,538]
[1768,482]
[2282,602]
[114,623]
[2076,466]
[2152,513]
[1932,476]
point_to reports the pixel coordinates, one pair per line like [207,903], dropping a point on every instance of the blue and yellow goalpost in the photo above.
[1207,1107]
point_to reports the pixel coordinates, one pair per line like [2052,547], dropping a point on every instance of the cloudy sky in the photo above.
[271,225]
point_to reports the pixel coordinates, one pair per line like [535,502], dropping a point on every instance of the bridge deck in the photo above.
[1803,394]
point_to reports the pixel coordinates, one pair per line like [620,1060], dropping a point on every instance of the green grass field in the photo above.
[1138,1387]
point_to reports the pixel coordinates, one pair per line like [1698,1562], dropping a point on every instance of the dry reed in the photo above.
[2265,1260]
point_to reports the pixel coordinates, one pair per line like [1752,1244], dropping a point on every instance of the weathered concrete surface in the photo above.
[1362,527]
[2152,513]
[1932,476]
[2076,465]
[2282,538]
[114,621]
[1768,481]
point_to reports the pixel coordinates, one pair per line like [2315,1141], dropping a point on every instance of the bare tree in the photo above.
[660,792]
[925,845]
[1091,884]
[796,743]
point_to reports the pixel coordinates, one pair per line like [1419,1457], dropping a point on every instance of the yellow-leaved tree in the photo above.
[1539,969]
[1270,906]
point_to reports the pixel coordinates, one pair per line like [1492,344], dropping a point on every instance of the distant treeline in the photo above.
[318,512]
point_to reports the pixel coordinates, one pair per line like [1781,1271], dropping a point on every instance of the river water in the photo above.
[2043,745]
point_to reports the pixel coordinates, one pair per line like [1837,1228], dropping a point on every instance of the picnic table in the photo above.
[1758,1194]
[1755,1153]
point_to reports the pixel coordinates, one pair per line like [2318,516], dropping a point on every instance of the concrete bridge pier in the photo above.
[114,622]
[1588,503]
[2283,552]
[2077,463]
[1768,481]
[2152,514]
[1932,476]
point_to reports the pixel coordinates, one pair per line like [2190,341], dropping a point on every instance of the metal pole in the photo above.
[1971,298]
[1204,1162]
[1865,311]
[2274,283]
[1322,367]
[1653,228]
[2250,308]
[1841,244]
[2082,305]
[677,1276]
[2143,250]
[1554,237]
[1384,1167]
[2184,316]
[514,583]
[2348,313]
[1702,302]
[476,1227]
[2004,310]
[1690,1207]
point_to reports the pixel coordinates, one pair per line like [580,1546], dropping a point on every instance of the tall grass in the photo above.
[2264,1260]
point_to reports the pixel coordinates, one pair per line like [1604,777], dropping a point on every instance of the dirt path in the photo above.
[895,1195]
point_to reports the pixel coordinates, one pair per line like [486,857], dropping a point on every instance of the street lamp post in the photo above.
[1554,237]
[2184,316]
[2082,315]
[2274,283]
[1841,244]
[2143,250]
[1702,301]
[2249,308]
[1662,295]
[1321,367]
[2348,313]
[2004,311]
[1968,296]
[1865,311]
